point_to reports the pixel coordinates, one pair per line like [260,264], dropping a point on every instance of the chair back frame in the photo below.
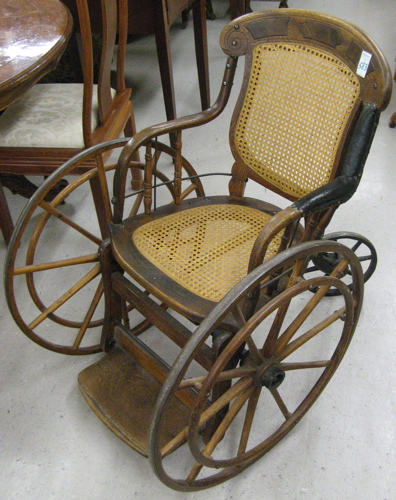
[114,27]
[334,38]
[320,37]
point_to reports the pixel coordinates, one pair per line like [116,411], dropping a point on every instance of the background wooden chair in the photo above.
[54,121]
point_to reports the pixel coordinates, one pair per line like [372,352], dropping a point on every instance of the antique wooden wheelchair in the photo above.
[240,287]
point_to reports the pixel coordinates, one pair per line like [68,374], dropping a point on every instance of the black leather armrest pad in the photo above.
[343,187]
[333,193]
[362,138]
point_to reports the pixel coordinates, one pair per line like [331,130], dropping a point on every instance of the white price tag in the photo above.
[363,64]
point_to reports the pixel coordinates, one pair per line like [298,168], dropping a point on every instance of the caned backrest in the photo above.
[306,78]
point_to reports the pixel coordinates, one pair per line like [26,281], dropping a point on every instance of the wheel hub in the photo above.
[269,375]
[327,262]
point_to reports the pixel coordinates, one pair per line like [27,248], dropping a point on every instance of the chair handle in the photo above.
[176,125]
[280,221]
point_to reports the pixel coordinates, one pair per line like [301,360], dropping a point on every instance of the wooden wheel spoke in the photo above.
[63,218]
[240,319]
[238,316]
[247,425]
[33,268]
[270,343]
[88,316]
[253,349]
[190,189]
[339,269]
[281,404]
[194,472]
[157,155]
[136,204]
[288,334]
[300,341]
[218,435]
[95,271]
[222,401]
[271,340]
[295,325]
[304,365]
[226,375]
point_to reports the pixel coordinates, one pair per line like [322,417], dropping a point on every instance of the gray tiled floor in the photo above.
[52,445]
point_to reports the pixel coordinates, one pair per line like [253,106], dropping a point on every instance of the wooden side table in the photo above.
[156,17]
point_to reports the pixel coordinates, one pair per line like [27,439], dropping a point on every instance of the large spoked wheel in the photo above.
[53,279]
[361,246]
[288,350]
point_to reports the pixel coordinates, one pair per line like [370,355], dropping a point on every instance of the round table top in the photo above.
[33,35]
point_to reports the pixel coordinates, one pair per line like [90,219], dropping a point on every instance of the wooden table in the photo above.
[33,36]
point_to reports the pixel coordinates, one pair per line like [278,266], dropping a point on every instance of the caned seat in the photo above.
[201,249]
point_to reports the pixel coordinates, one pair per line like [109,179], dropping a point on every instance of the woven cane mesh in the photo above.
[293,116]
[206,249]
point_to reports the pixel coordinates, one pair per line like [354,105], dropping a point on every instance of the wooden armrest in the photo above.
[279,222]
[178,124]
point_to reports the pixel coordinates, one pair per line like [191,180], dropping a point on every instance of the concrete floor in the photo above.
[53,446]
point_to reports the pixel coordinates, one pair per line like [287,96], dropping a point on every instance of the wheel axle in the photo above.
[269,376]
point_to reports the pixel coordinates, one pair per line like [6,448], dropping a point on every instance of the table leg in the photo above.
[6,224]
[201,51]
[237,8]
[165,65]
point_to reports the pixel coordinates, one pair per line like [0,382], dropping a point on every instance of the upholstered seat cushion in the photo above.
[49,115]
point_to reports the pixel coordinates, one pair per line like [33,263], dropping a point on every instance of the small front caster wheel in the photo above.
[327,262]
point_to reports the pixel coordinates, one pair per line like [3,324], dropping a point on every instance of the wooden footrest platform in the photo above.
[123,395]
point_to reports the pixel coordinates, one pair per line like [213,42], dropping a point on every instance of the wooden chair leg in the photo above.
[201,51]
[165,65]
[209,10]
[6,224]
[238,8]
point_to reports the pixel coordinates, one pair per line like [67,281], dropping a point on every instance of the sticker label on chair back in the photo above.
[363,63]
